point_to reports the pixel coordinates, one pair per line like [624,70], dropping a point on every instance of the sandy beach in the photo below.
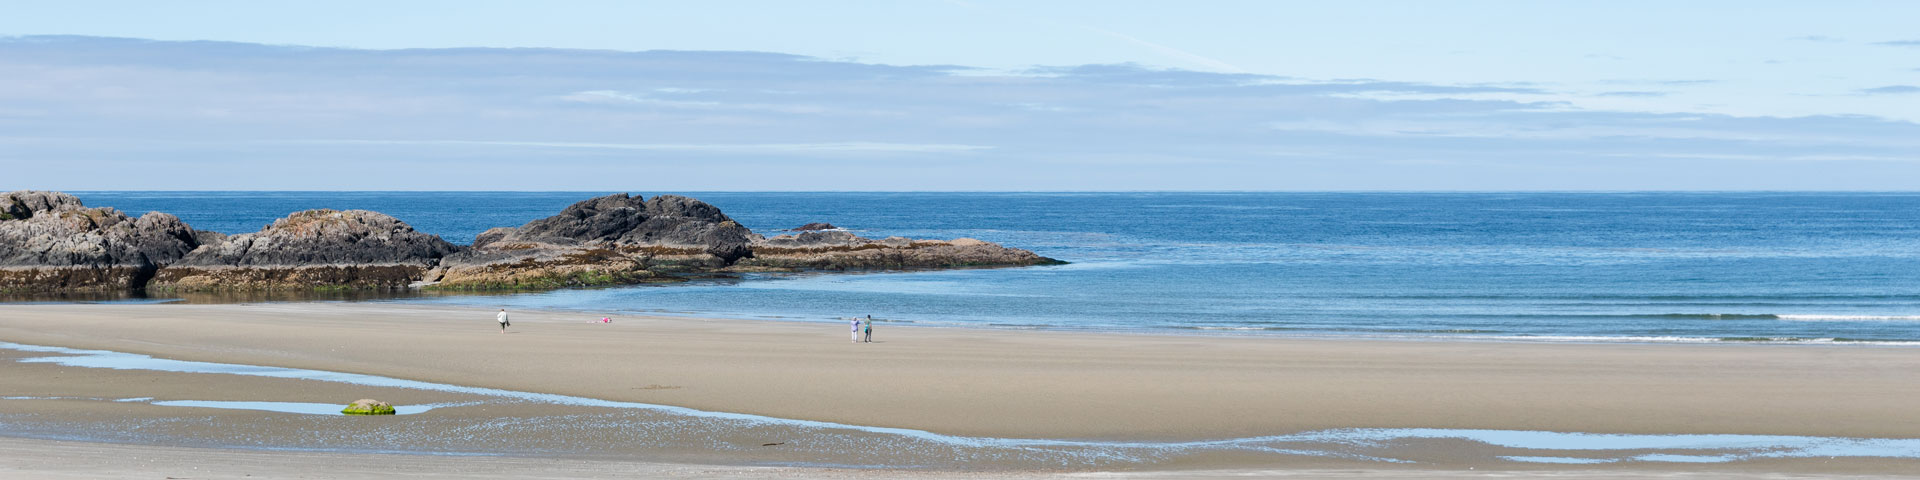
[980,383]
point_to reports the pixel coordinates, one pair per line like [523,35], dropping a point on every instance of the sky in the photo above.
[960,95]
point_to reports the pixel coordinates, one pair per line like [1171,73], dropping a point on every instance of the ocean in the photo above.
[1571,267]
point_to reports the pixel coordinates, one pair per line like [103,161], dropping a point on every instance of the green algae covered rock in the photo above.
[368,406]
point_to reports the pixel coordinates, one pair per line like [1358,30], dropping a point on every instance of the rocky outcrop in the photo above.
[621,239]
[839,250]
[50,242]
[615,239]
[313,248]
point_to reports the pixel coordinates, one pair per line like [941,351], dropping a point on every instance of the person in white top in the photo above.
[856,330]
[503,320]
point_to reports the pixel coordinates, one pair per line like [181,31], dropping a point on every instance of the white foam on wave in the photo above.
[1594,339]
[1850,318]
[1675,339]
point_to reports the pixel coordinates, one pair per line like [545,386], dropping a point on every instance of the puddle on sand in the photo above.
[816,441]
[292,407]
[1559,460]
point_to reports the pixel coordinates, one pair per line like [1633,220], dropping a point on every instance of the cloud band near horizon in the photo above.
[213,115]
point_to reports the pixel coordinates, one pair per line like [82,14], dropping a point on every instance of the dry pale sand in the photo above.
[985,383]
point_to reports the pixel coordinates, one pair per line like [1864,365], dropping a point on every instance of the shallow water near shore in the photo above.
[538,423]
[286,407]
[1825,268]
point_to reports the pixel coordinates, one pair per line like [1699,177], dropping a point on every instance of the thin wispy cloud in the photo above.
[1891,89]
[1655,81]
[1189,57]
[1899,43]
[676,100]
[614,96]
[879,147]
[1631,94]
[1158,48]
[1788,158]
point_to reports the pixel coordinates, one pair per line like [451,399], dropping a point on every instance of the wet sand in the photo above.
[961,382]
[60,460]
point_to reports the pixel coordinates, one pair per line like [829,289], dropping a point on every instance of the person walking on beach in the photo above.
[856,330]
[869,326]
[502,317]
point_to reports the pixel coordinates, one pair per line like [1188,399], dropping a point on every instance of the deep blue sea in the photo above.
[1634,267]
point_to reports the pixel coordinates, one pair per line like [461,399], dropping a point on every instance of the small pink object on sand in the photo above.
[606,320]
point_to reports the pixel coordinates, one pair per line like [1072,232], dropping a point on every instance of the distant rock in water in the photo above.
[844,251]
[313,248]
[814,227]
[49,242]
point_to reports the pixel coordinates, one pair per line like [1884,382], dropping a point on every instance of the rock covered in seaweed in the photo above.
[368,406]
[313,248]
[539,266]
[50,242]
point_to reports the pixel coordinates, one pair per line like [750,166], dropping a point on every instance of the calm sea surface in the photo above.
[1646,267]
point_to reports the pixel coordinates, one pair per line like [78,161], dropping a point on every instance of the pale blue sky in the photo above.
[1034,95]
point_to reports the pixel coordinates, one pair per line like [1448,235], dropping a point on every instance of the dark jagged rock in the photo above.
[619,220]
[326,237]
[314,248]
[602,219]
[50,242]
[24,204]
[814,227]
[615,239]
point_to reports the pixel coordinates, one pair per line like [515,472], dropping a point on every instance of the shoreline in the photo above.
[997,383]
[1197,332]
